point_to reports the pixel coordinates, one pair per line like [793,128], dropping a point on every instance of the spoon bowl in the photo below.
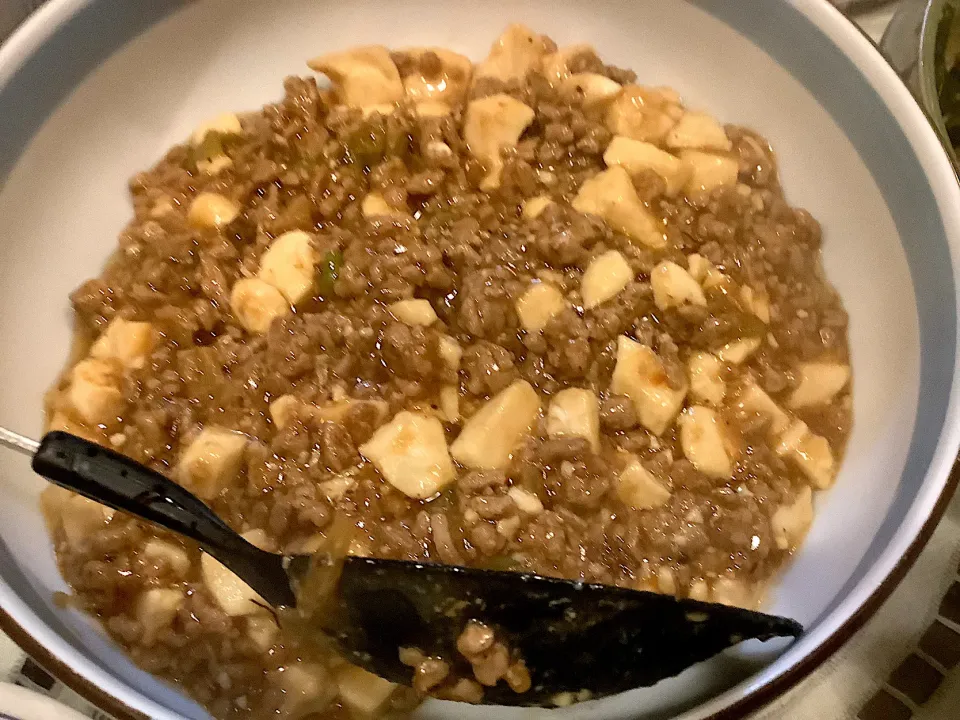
[575,638]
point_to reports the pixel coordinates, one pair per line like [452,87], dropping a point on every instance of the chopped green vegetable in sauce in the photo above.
[502,562]
[368,144]
[210,147]
[330,271]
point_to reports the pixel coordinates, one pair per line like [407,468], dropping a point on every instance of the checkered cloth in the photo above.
[903,663]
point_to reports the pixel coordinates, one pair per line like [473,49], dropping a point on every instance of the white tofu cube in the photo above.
[610,195]
[162,551]
[448,85]
[263,631]
[492,124]
[363,692]
[705,272]
[212,462]
[491,436]
[605,277]
[539,305]
[334,490]
[257,303]
[215,165]
[819,383]
[259,539]
[411,453]
[699,590]
[284,409]
[129,343]
[534,207]
[698,266]
[450,352]
[592,89]
[756,301]
[810,453]
[736,593]
[527,502]
[516,52]
[302,683]
[95,391]
[706,378]
[639,489]
[702,437]
[699,131]
[637,156]
[755,400]
[644,113]
[737,352]
[212,211]
[555,66]
[575,412]
[231,593]
[156,608]
[708,171]
[639,374]
[414,312]
[289,264]
[223,124]
[673,286]
[450,403]
[81,517]
[790,523]
[362,76]
[374,205]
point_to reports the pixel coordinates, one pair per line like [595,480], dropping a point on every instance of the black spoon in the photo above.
[576,638]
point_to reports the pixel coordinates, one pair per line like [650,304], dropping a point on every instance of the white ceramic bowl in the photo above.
[93,90]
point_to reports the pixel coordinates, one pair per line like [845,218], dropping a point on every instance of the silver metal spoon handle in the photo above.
[20,443]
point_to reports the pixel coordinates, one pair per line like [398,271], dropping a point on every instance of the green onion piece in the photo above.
[330,271]
[210,147]
[501,562]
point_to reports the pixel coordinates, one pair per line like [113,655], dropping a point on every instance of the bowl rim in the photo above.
[78,673]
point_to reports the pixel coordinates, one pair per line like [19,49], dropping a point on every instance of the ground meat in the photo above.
[486,309]
[479,480]
[94,303]
[490,661]
[617,413]
[758,166]
[487,368]
[447,548]
[395,208]
[411,352]
[569,352]
[289,350]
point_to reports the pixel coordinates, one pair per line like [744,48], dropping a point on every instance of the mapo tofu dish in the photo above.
[533,313]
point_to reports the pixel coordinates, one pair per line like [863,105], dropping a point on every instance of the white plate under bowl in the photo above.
[93,90]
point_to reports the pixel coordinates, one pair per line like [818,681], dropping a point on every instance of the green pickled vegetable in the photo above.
[330,271]
[368,144]
[210,147]
[501,562]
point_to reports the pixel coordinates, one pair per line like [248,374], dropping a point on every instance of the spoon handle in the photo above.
[123,484]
